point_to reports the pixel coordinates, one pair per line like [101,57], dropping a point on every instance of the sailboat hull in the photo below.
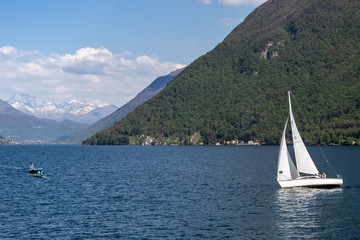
[312,182]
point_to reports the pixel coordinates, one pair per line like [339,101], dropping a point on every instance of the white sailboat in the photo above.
[305,173]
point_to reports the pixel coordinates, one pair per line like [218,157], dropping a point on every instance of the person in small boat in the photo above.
[38,173]
[324,175]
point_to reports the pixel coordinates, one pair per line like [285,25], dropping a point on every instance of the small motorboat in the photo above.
[32,168]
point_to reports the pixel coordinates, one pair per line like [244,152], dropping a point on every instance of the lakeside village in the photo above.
[196,140]
[153,141]
[6,141]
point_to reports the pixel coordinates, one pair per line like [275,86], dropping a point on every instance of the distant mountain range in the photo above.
[21,127]
[152,90]
[74,110]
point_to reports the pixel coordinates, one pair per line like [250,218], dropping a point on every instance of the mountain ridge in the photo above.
[74,110]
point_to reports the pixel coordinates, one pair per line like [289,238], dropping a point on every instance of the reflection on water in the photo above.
[301,211]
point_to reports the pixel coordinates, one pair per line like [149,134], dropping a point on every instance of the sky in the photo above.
[106,51]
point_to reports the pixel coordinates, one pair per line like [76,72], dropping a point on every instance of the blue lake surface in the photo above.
[172,192]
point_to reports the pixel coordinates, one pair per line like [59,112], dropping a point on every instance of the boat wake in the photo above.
[10,167]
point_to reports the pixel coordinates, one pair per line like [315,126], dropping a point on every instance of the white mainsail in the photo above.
[304,162]
[286,168]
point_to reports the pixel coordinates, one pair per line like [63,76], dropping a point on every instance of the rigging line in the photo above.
[327,161]
[323,154]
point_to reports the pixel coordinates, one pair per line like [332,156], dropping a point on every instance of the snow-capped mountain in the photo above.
[23,102]
[74,110]
[22,127]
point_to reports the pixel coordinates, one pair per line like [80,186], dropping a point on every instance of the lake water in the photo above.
[173,192]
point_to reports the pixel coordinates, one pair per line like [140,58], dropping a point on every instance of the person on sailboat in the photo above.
[324,175]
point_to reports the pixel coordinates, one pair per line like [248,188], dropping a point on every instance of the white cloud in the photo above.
[235,3]
[91,74]
[203,1]
[7,50]
[84,61]
[8,53]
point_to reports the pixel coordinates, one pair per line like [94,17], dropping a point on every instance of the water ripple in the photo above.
[166,193]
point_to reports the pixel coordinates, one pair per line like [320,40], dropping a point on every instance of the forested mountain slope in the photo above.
[238,91]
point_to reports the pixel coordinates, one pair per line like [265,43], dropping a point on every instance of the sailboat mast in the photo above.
[290,109]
